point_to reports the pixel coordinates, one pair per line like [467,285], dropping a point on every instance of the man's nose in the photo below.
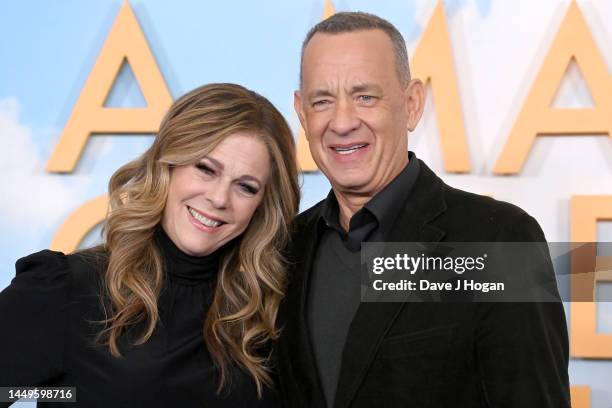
[218,195]
[344,119]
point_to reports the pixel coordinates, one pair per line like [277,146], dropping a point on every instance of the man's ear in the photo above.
[415,102]
[299,108]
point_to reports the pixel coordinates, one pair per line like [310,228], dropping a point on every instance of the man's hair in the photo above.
[347,22]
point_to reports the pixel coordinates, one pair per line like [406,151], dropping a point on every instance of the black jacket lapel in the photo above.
[373,320]
[304,383]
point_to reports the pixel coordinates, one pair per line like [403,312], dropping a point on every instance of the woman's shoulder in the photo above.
[54,269]
[42,266]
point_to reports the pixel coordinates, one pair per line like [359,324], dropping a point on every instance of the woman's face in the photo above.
[211,202]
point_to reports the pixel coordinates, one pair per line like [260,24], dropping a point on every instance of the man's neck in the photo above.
[349,202]
[348,205]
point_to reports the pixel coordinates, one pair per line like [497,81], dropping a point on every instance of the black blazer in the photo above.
[431,354]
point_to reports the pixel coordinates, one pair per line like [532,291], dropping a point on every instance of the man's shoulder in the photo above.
[309,216]
[482,217]
[478,205]
[463,207]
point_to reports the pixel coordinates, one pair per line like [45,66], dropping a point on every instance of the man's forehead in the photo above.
[355,65]
[333,60]
[357,39]
[347,50]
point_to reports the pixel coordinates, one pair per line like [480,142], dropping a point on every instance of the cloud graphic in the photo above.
[454,6]
[30,197]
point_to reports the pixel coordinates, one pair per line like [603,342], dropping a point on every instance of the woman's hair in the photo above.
[251,279]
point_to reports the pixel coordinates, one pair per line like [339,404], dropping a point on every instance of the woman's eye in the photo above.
[205,169]
[249,189]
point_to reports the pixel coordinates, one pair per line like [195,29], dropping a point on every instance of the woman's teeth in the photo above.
[348,150]
[206,221]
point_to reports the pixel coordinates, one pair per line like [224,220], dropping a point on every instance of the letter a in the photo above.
[433,61]
[573,42]
[124,42]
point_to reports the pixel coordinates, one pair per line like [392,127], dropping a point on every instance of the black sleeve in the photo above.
[522,348]
[33,318]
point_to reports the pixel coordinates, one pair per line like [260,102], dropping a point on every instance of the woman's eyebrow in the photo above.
[214,161]
[218,164]
[249,177]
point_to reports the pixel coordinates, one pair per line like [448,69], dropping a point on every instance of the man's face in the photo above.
[354,109]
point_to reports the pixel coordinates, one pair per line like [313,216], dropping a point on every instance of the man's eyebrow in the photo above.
[366,88]
[317,93]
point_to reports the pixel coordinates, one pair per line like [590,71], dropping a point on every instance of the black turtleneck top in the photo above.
[48,332]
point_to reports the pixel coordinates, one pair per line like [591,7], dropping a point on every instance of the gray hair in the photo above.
[347,22]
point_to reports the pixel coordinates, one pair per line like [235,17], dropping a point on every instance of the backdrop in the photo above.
[519,107]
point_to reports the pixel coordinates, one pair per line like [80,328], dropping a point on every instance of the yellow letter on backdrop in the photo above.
[433,61]
[573,42]
[124,42]
[581,396]
[79,223]
[587,270]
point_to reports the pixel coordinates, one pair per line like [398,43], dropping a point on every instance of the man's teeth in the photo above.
[348,150]
[206,221]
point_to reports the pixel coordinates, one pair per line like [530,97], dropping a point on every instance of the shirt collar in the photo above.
[389,202]
[383,208]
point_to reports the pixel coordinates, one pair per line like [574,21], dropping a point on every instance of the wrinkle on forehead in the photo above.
[343,61]
[349,86]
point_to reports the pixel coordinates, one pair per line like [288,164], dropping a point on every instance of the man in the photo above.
[357,104]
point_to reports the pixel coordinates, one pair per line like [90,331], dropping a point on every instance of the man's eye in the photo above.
[205,169]
[249,189]
[367,99]
[320,104]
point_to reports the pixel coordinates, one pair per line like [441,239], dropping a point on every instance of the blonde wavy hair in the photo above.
[240,323]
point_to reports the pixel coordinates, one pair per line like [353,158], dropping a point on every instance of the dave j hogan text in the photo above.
[426,285]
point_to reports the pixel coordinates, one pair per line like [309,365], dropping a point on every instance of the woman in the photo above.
[178,306]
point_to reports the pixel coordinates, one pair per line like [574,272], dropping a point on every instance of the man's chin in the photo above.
[353,185]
